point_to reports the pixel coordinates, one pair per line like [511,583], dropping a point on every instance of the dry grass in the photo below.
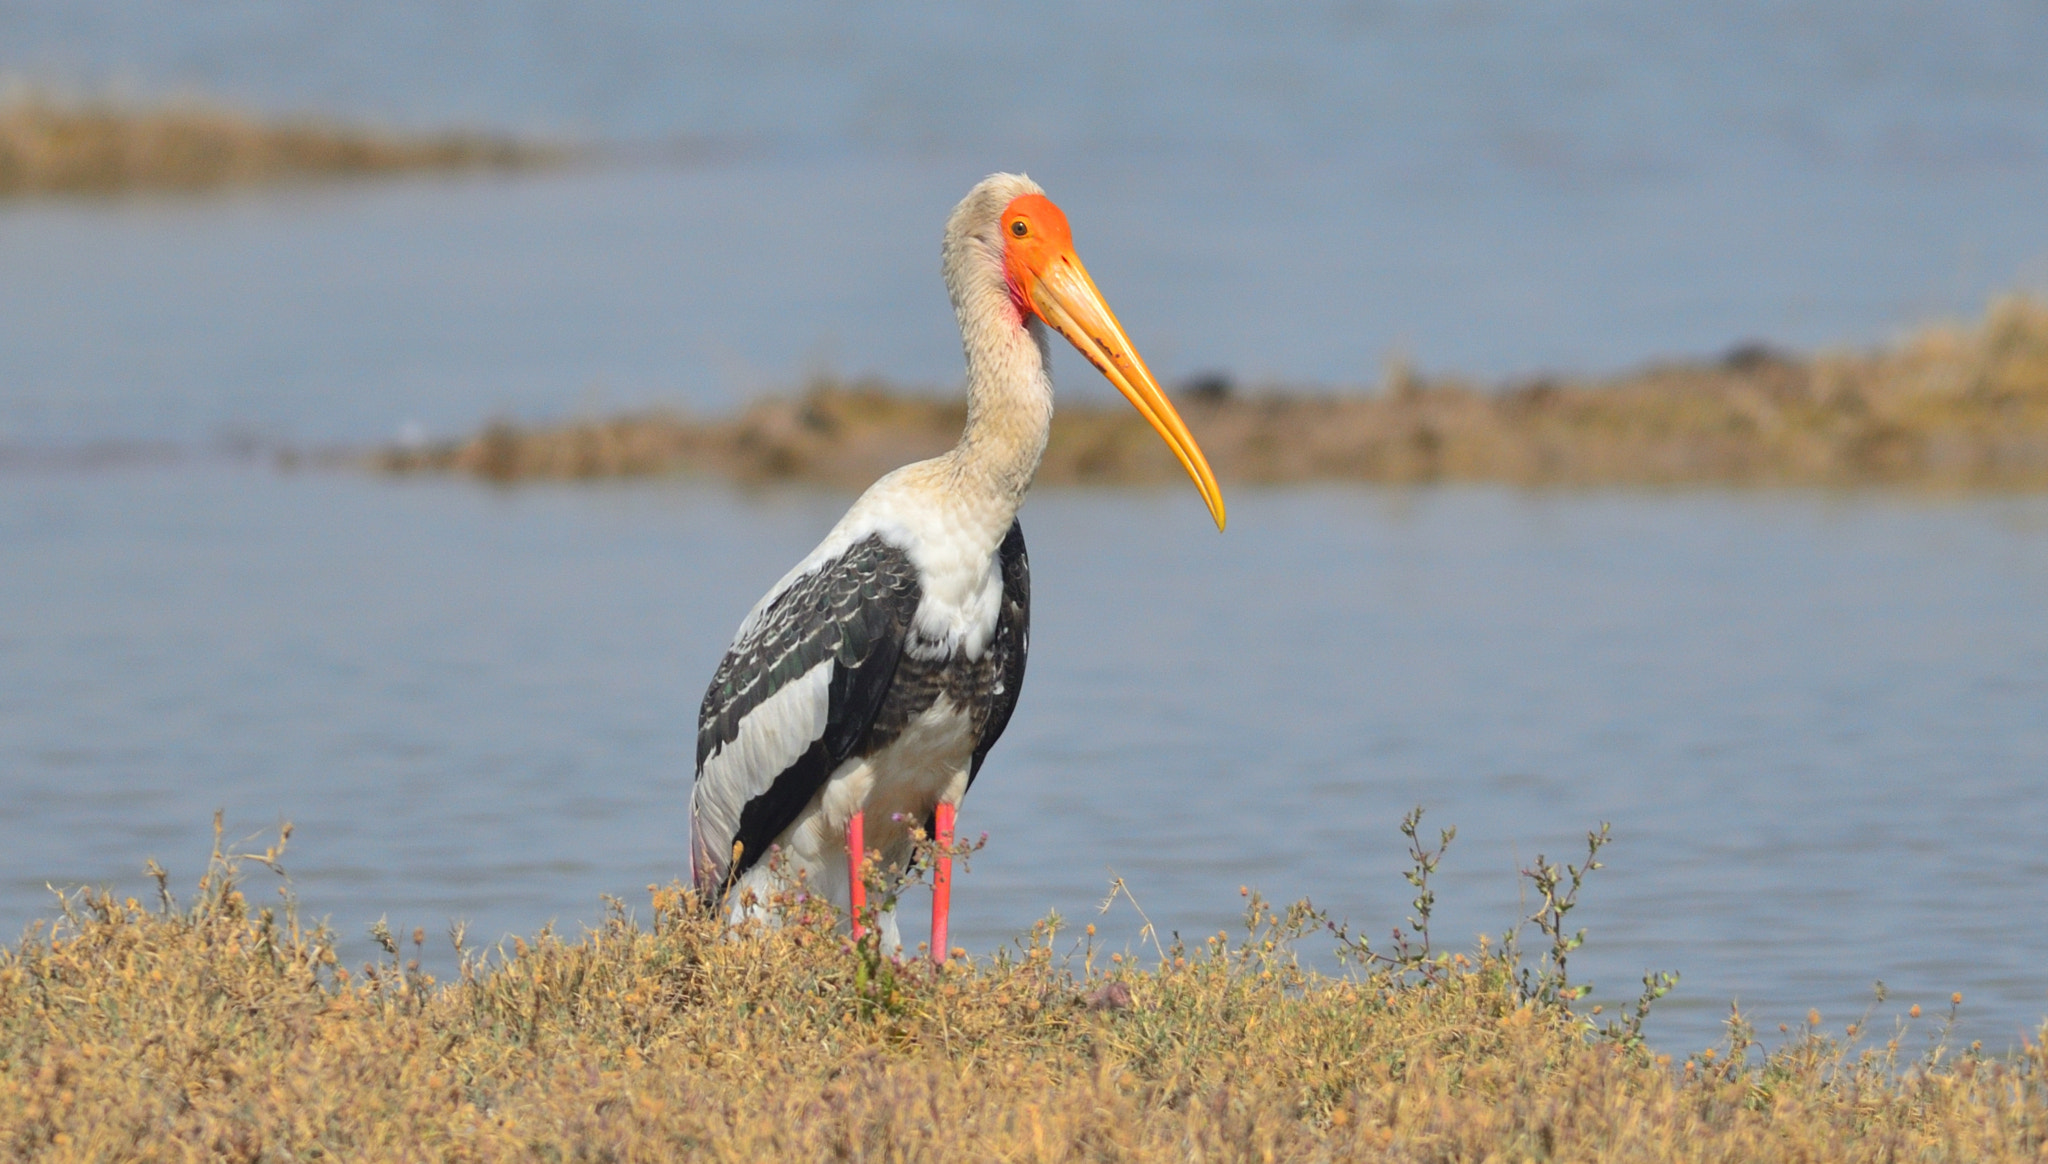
[1956,406]
[219,1030]
[53,147]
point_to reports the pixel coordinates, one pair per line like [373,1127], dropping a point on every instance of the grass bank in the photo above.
[1959,406]
[56,147]
[223,1029]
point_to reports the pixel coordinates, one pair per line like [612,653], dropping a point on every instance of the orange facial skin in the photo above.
[1047,280]
[1034,234]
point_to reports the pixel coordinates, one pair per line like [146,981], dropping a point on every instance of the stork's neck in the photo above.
[1009,413]
[1009,410]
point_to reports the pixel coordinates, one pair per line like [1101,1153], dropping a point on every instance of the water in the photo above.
[1296,194]
[1815,720]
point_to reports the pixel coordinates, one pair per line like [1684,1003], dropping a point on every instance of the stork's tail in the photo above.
[711,877]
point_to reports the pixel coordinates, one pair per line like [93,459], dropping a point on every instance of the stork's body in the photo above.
[863,691]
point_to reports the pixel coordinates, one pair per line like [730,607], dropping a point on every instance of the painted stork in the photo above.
[864,690]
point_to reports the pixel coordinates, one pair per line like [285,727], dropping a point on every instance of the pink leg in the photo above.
[942,879]
[856,852]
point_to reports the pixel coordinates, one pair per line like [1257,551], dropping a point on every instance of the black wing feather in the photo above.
[856,611]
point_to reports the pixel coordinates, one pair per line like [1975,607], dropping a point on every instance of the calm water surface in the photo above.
[1294,192]
[1815,722]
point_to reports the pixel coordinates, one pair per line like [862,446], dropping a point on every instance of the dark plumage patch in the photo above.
[845,610]
[1012,643]
[856,611]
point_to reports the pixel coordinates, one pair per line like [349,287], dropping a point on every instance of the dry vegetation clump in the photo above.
[841,434]
[221,1030]
[1953,407]
[54,147]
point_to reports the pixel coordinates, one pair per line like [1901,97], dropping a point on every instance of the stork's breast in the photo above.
[957,615]
[926,698]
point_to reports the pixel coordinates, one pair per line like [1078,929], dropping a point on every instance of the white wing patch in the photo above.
[770,739]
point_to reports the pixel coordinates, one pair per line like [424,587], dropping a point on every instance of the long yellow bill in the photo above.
[1065,297]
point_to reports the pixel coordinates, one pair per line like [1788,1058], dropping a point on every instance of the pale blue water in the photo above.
[1815,722]
[1818,722]
[1291,192]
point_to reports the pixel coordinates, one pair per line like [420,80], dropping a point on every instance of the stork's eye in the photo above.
[1019,228]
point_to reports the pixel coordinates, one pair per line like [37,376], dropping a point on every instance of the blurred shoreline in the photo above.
[52,146]
[1954,406]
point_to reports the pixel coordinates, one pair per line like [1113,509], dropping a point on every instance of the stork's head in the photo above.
[1010,260]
